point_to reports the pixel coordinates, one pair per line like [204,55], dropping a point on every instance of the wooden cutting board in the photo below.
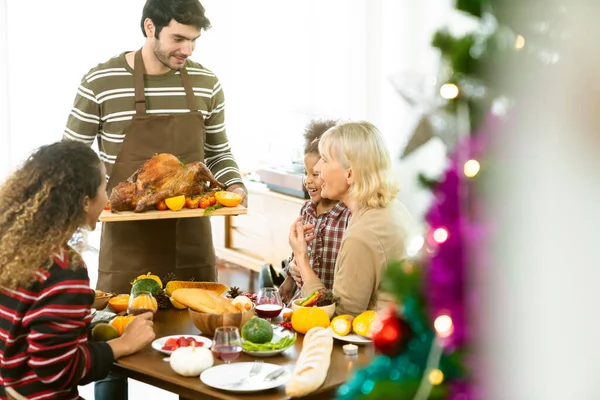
[108,216]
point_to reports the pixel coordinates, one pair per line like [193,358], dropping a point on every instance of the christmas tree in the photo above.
[425,343]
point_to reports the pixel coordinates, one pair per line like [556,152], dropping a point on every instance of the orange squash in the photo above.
[121,322]
[119,303]
[306,318]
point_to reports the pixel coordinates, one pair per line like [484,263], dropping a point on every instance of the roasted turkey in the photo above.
[161,177]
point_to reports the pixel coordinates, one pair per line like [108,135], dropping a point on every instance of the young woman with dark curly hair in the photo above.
[45,297]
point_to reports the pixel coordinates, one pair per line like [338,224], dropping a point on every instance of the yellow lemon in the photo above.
[175,203]
[177,304]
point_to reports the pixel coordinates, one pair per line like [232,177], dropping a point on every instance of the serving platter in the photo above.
[108,216]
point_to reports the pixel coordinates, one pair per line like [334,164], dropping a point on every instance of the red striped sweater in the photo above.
[44,348]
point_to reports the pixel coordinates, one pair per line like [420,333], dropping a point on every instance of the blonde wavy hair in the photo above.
[360,146]
[41,206]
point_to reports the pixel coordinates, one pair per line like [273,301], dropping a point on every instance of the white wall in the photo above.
[280,62]
[4,126]
[48,56]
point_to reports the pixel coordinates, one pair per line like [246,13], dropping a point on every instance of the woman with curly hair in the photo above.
[45,297]
[356,168]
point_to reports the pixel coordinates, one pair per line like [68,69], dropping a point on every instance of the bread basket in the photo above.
[208,323]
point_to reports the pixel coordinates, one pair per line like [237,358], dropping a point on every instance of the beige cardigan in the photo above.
[374,238]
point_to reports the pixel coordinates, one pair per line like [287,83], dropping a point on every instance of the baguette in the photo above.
[313,363]
[205,301]
[216,287]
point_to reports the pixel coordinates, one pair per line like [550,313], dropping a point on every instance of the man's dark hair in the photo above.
[186,12]
[313,132]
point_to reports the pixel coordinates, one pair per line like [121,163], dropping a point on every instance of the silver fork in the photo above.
[256,367]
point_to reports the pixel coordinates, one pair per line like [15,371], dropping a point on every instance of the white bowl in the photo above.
[330,309]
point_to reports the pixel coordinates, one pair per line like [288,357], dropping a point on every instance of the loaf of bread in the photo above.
[313,363]
[205,301]
[216,287]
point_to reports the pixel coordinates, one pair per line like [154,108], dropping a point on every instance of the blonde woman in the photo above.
[356,168]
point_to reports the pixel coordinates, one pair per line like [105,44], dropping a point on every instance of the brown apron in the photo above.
[182,246]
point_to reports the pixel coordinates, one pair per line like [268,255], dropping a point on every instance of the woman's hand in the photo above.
[138,334]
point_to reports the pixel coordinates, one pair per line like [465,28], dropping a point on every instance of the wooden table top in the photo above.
[148,366]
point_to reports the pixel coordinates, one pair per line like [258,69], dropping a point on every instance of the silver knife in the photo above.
[275,374]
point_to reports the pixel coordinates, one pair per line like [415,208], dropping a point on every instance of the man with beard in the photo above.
[138,104]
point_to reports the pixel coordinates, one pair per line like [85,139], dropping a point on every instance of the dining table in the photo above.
[152,367]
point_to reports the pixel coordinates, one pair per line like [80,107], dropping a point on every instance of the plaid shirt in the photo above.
[329,231]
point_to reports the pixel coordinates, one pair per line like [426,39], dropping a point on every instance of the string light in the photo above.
[436,377]
[440,235]
[414,245]
[443,326]
[471,168]
[449,91]
[519,42]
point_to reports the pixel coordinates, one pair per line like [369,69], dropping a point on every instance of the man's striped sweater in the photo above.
[104,106]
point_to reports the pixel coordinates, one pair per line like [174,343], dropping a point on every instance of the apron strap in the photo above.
[138,82]
[189,92]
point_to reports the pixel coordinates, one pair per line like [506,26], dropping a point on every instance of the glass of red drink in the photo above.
[227,345]
[268,303]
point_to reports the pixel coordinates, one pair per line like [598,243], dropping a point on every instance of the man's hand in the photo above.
[241,190]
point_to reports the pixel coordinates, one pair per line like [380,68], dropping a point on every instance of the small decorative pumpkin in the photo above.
[148,276]
[190,361]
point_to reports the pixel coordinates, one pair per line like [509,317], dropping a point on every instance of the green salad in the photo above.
[282,343]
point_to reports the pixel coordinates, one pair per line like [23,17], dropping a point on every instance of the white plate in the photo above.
[351,338]
[277,335]
[222,376]
[159,343]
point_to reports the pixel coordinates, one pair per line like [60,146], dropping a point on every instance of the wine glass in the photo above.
[227,345]
[141,302]
[268,303]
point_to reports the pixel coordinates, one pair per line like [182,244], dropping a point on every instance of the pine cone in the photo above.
[170,277]
[234,292]
[163,301]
